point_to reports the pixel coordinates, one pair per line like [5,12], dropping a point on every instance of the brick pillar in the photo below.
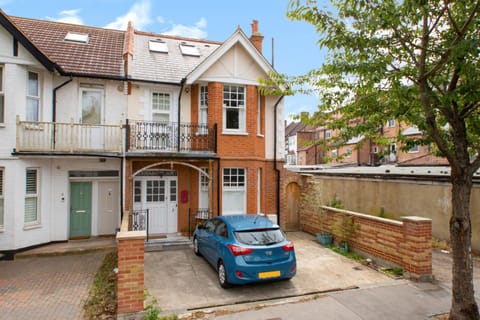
[130,284]
[417,261]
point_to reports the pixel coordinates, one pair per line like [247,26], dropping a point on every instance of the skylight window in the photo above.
[189,50]
[158,46]
[77,37]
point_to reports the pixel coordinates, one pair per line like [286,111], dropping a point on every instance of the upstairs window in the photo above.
[234,108]
[328,134]
[161,106]
[2,97]
[203,108]
[76,37]
[158,46]
[391,123]
[33,97]
[189,50]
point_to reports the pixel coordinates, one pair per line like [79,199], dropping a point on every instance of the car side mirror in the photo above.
[200,226]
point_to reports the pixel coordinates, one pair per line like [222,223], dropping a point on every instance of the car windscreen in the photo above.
[260,237]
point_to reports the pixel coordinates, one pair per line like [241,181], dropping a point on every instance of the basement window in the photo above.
[76,37]
[189,50]
[158,45]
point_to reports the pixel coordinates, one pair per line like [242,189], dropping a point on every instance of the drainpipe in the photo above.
[54,106]
[275,156]
[182,84]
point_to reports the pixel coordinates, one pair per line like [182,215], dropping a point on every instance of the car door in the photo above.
[206,240]
[220,238]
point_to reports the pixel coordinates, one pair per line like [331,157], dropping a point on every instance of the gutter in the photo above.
[275,155]
[54,108]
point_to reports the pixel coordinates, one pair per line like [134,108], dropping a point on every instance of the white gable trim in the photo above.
[237,37]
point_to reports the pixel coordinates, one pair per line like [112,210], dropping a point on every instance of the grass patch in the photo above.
[349,254]
[102,295]
[440,244]
[395,271]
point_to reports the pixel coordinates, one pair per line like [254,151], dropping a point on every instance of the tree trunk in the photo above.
[464,306]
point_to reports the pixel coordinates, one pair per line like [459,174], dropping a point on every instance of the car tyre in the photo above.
[195,247]
[222,275]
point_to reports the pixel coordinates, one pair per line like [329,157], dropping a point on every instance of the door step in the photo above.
[168,244]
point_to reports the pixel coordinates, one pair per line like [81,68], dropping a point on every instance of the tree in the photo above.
[416,61]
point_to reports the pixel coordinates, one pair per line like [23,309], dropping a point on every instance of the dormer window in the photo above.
[158,45]
[189,50]
[76,37]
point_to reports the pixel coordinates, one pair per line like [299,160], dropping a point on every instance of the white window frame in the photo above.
[157,111]
[234,185]
[391,123]
[348,152]
[2,199]
[2,95]
[92,88]
[375,149]
[414,149]
[203,109]
[231,103]
[328,134]
[32,195]
[33,98]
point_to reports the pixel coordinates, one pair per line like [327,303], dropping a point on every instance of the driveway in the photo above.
[181,281]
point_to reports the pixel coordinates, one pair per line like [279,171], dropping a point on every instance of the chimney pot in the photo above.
[256,38]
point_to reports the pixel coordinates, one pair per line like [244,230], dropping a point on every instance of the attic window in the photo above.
[158,46]
[189,50]
[76,37]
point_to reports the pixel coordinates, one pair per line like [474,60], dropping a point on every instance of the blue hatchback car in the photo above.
[244,249]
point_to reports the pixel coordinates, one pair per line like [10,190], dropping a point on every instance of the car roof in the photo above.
[247,222]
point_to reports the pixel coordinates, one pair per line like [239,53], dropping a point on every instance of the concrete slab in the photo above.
[181,281]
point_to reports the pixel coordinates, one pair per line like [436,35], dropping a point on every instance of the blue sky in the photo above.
[296,51]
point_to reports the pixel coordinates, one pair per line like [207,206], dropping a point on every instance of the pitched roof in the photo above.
[10,26]
[101,56]
[425,160]
[169,67]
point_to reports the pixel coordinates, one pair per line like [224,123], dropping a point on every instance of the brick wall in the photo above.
[130,278]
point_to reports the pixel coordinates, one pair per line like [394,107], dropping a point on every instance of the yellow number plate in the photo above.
[266,275]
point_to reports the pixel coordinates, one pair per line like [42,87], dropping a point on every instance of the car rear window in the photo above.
[260,237]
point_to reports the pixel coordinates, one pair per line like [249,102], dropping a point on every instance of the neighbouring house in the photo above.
[98,123]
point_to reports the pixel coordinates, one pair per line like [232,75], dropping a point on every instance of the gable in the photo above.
[235,66]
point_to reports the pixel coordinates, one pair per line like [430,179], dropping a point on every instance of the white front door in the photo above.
[158,194]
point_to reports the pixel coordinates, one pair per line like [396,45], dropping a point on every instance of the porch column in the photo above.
[128,186]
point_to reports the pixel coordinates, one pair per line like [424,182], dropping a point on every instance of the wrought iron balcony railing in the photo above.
[152,136]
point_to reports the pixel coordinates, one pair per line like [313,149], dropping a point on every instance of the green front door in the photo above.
[80,209]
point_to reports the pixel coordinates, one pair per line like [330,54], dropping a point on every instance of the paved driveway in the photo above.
[181,281]
[52,287]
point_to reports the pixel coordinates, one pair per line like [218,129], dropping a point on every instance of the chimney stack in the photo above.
[256,38]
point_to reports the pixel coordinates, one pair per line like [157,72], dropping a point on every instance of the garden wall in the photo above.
[405,243]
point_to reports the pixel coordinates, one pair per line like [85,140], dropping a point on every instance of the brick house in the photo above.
[97,123]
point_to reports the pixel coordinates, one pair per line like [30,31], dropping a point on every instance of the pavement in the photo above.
[327,286]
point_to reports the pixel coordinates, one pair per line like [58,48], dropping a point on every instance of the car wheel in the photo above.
[195,247]
[222,275]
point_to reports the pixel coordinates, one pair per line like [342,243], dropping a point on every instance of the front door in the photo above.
[159,196]
[80,209]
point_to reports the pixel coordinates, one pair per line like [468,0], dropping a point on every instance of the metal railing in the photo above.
[170,137]
[39,136]
[138,221]
[196,216]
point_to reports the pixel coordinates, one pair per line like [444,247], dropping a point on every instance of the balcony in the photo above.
[152,136]
[57,137]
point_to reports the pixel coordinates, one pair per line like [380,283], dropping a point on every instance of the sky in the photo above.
[295,43]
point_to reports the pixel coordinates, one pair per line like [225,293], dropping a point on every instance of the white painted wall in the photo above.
[269,128]
[139,102]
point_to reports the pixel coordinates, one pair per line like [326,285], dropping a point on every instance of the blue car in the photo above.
[244,249]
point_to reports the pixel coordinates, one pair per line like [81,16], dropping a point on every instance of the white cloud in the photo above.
[139,14]
[68,16]
[195,31]
[160,19]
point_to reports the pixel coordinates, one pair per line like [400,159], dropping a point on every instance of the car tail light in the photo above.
[239,274]
[239,251]
[289,246]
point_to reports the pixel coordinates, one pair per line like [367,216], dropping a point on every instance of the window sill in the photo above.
[260,135]
[234,133]
[37,225]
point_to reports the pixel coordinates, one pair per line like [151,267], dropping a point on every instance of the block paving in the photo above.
[51,287]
